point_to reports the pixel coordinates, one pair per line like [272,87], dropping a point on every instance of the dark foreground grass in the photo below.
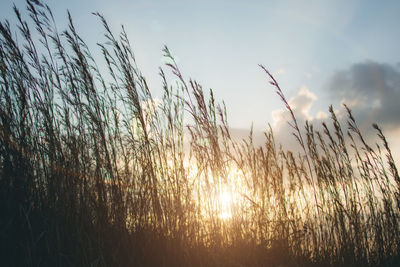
[95,172]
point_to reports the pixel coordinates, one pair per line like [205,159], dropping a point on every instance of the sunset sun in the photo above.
[199,133]
[225,202]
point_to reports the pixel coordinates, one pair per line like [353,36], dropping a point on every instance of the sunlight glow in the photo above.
[225,201]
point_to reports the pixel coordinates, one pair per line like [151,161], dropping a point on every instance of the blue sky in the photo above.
[306,44]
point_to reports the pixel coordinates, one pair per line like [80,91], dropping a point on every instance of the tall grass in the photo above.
[94,171]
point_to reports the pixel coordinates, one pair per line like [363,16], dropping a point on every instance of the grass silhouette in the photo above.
[96,172]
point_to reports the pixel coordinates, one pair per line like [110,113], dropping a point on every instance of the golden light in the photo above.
[225,201]
[221,201]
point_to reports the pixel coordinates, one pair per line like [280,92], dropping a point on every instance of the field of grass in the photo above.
[94,171]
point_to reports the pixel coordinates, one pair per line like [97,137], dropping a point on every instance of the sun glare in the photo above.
[225,201]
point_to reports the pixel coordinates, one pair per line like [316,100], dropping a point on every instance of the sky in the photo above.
[321,52]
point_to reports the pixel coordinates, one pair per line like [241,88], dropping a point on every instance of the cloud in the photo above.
[371,90]
[300,104]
